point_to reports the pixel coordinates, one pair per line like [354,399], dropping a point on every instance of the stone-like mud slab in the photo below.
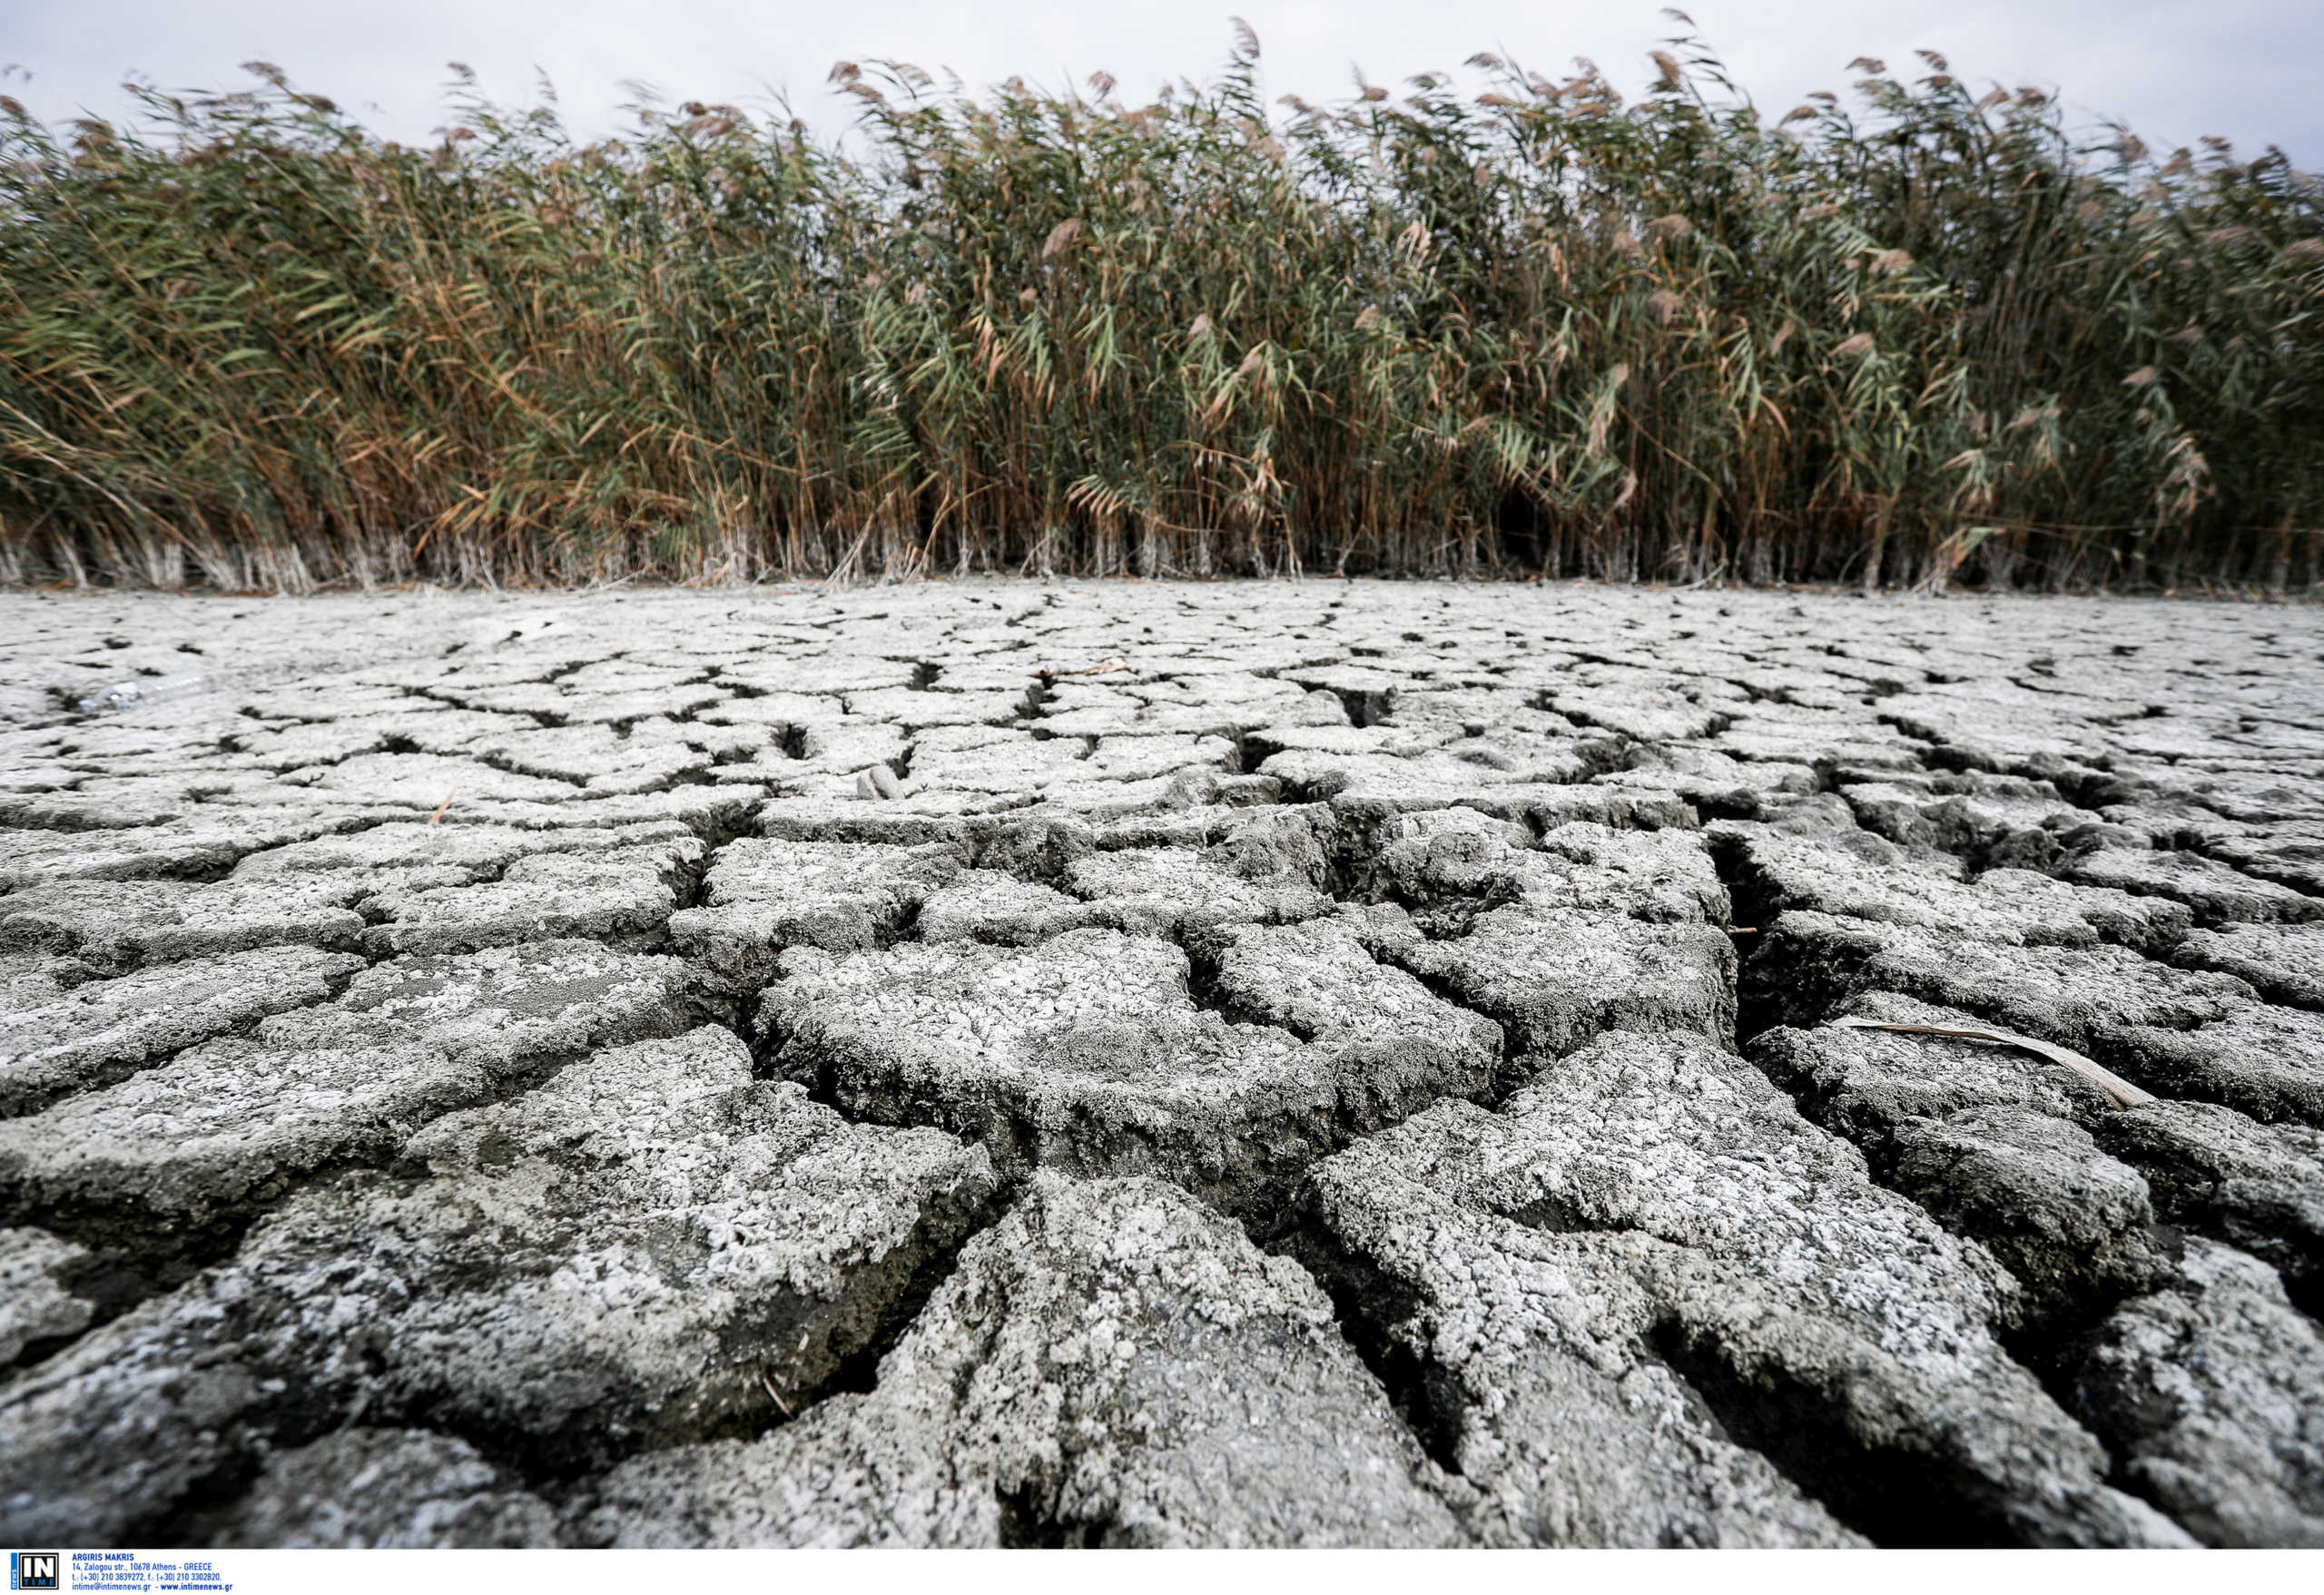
[996,1063]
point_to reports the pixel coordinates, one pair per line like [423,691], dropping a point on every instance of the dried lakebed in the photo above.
[1277,1064]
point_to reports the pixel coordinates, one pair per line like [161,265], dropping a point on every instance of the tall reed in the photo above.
[1535,328]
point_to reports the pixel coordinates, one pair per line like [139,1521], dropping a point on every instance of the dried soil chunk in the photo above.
[1717,785]
[298,746]
[1438,780]
[116,806]
[2175,1032]
[648,701]
[913,710]
[1994,821]
[1143,758]
[121,925]
[1530,1360]
[620,894]
[652,1248]
[1513,754]
[1860,876]
[1778,733]
[1398,1046]
[2284,963]
[2072,1225]
[189,849]
[2075,996]
[992,760]
[1268,869]
[843,747]
[1467,859]
[225,1125]
[423,780]
[1085,1052]
[1555,979]
[711,813]
[1644,715]
[2267,1062]
[2217,894]
[481,853]
[2288,851]
[764,894]
[1222,706]
[222,1127]
[988,905]
[1667,876]
[2208,1168]
[2213,1389]
[595,757]
[1171,892]
[1995,725]
[904,824]
[1827,1322]
[1401,741]
[2257,1186]
[1432,856]
[36,1304]
[34,980]
[1036,845]
[1111,1364]
[100,1031]
[1368,695]
[1989,1141]
[511,1008]
[387,1489]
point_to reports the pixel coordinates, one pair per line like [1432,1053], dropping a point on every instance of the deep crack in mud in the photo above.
[1158,1064]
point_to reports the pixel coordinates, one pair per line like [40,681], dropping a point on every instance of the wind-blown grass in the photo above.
[1528,329]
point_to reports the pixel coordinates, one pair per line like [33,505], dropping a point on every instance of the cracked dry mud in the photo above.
[989,1063]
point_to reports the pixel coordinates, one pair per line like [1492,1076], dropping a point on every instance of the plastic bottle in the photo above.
[143,690]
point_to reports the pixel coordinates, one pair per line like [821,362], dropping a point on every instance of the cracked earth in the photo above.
[1148,1064]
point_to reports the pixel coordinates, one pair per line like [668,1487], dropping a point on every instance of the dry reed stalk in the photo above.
[1535,331]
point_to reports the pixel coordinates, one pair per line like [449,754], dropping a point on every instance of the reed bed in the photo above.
[1509,325]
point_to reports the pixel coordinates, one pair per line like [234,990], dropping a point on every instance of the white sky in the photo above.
[2173,69]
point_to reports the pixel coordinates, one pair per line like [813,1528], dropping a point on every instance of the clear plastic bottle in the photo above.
[143,690]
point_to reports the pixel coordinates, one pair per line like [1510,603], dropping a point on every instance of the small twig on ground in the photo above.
[2121,1091]
[444,804]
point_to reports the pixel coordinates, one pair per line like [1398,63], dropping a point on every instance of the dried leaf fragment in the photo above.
[2120,1091]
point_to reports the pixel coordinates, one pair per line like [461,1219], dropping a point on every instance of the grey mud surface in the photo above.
[1265,1065]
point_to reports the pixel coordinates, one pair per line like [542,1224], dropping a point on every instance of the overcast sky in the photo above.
[2173,69]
